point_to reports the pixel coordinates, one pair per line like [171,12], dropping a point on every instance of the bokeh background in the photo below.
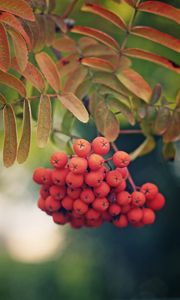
[40,260]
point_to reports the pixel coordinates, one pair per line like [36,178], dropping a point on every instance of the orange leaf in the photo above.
[19,8]
[14,23]
[65,44]
[10,136]
[161,9]
[75,79]
[31,73]
[44,121]
[98,35]
[24,145]
[75,106]
[49,69]
[146,55]
[68,64]
[98,64]
[4,50]
[85,42]
[106,14]
[13,82]
[98,50]
[20,49]
[157,37]
[135,83]
[49,30]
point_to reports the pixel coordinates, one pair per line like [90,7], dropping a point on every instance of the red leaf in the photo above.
[19,8]
[106,14]
[75,79]
[68,64]
[4,50]
[49,69]
[65,44]
[146,55]
[157,37]
[161,9]
[86,42]
[49,30]
[20,49]
[13,22]
[98,64]
[97,34]
[13,82]
[31,73]
[135,83]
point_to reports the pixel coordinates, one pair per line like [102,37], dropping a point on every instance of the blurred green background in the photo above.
[40,260]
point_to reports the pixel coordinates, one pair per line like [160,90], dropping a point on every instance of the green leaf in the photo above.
[123,108]
[44,121]
[13,82]
[67,122]
[162,120]
[24,145]
[2,101]
[74,105]
[169,151]
[146,147]
[106,121]
[173,132]
[10,136]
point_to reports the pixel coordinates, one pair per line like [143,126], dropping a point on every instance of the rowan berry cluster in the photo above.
[84,190]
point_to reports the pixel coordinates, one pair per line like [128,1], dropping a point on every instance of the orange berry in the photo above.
[100,204]
[121,159]
[67,203]
[148,216]
[157,203]
[80,207]
[94,178]
[95,161]
[51,204]
[42,176]
[100,145]
[74,180]
[57,192]
[124,198]
[78,165]
[102,190]
[87,196]
[59,160]
[138,198]
[114,178]
[59,176]
[82,147]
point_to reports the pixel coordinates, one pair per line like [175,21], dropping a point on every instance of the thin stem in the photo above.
[115,148]
[131,131]
[69,9]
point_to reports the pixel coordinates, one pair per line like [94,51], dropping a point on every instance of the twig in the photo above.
[130,131]
[69,9]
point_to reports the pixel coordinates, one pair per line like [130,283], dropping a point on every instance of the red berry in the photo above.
[80,207]
[77,223]
[104,170]
[102,190]
[138,224]
[121,159]
[42,176]
[121,222]
[60,218]
[59,176]
[73,193]
[125,209]
[78,165]
[57,192]
[100,145]
[148,216]
[87,196]
[135,215]
[92,214]
[100,204]
[124,172]
[150,190]
[94,178]
[51,204]
[41,204]
[82,147]
[114,209]
[121,187]
[95,161]
[106,216]
[114,178]
[59,160]
[67,203]
[138,198]
[124,198]
[157,203]
[74,180]
[94,223]
[44,191]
